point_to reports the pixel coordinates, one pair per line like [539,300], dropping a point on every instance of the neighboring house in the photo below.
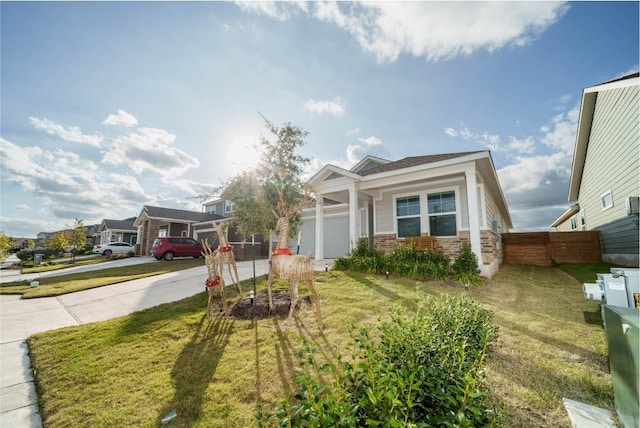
[118,231]
[93,236]
[153,222]
[605,175]
[455,197]
[45,236]
[220,207]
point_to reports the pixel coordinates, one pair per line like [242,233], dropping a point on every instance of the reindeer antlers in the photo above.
[286,210]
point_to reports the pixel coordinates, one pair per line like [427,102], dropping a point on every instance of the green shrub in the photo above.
[465,267]
[406,261]
[48,253]
[424,370]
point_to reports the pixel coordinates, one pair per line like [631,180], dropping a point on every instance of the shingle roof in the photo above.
[172,213]
[120,224]
[629,76]
[414,161]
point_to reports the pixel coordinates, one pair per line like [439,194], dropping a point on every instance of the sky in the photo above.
[109,106]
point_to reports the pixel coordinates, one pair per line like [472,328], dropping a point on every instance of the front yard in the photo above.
[135,370]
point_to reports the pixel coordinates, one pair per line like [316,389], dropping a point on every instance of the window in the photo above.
[583,220]
[228,206]
[408,215]
[212,210]
[442,213]
[574,223]
[607,200]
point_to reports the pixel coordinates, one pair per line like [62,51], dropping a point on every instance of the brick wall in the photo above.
[385,243]
[449,246]
[151,229]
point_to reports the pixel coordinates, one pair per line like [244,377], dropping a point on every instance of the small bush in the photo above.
[48,253]
[465,267]
[423,370]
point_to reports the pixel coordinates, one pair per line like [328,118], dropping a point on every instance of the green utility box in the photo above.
[621,328]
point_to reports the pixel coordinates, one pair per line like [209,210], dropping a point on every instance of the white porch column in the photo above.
[353,216]
[319,244]
[472,207]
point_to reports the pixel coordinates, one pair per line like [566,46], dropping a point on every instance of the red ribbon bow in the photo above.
[212,282]
[281,252]
[225,249]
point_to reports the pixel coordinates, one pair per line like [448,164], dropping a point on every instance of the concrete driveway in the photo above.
[19,319]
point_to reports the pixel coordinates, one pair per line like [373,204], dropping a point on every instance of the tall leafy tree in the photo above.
[257,193]
[251,210]
[281,168]
[60,241]
[79,235]
[6,244]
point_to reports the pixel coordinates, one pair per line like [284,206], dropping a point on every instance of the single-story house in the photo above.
[118,231]
[153,222]
[455,197]
[605,174]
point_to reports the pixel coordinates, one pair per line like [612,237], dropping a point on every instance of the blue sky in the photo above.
[110,106]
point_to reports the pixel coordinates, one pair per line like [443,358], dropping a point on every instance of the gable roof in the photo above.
[414,161]
[366,163]
[126,224]
[173,214]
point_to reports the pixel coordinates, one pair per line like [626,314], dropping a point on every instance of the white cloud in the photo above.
[530,173]
[525,145]
[72,133]
[121,118]
[488,141]
[149,149]
[433,30]
[560,134]
[354,153]
[190,187]
[368,146]
[278,10]
[23,207]
[335,107]
[69,186]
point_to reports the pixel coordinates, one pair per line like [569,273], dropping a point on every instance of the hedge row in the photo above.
[406,261]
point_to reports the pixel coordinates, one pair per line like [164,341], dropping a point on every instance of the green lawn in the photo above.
[63,264]
[63,284]
[134,370]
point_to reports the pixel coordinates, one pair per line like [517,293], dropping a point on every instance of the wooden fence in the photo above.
[546,248]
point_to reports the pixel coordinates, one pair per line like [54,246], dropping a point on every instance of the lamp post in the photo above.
[253,258]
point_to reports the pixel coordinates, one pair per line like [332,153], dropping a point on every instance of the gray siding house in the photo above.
[117,230]
[454,197]
[605,175]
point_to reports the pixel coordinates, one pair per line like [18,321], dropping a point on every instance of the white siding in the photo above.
[384,209]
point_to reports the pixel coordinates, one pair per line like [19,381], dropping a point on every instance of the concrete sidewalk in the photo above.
[19,319]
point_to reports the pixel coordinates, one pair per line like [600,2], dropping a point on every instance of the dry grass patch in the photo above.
[134,370]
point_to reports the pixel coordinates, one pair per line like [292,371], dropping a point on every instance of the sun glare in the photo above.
[242,151]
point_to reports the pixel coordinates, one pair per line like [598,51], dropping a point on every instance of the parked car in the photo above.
[168,247]
[112,247]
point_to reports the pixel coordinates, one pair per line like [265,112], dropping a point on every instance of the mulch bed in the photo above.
[246,310]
